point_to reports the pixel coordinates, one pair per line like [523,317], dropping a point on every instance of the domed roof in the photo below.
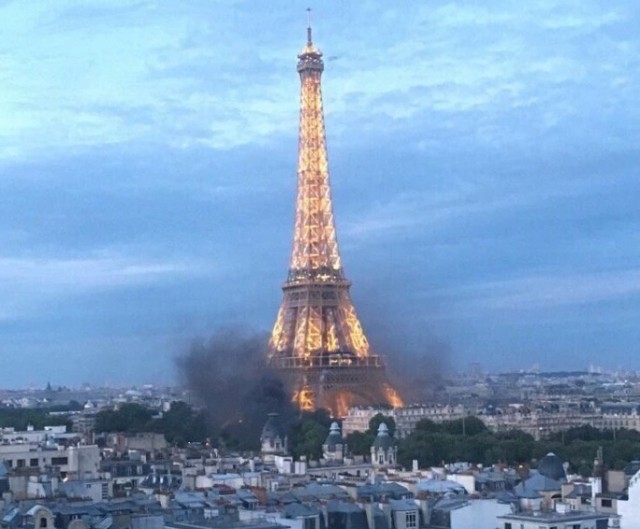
[383,439]
[271,428]
[551,466]
[334,438]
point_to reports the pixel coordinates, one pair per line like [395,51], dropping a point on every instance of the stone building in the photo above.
[333,449]
[384,451]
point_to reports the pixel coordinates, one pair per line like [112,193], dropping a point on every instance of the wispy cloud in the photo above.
[429,211]
[29,282]
[184,78]
[550,290]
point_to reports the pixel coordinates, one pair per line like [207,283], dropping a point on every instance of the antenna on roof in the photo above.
[309,26]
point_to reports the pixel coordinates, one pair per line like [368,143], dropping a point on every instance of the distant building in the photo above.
[357,419]
[81,461]
[621,415]
[83,423]
[406,419]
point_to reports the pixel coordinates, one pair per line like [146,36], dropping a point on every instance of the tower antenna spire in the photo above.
[309,26]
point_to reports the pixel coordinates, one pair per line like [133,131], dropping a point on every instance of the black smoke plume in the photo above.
[417,361]
[229,377]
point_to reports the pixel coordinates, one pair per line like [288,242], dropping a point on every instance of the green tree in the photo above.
[427,426]
[129,418]
[359,443]
[433,444]
[465,426]
[21,418]
[180,424]
[308,437]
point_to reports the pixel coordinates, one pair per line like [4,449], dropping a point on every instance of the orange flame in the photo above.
[304,399]
[393,398]
[342,404]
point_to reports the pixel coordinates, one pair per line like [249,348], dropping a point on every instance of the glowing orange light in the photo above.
[304,399]
[317,329]
[393,398]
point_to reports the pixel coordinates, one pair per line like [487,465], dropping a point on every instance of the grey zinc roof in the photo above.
[440,486]
[552,467]
[531,487]
[387,488]
[449,504]
[319,491]
[553,516]
[299,510]
[403,505]
[632,467]
[343,506]
[10,515]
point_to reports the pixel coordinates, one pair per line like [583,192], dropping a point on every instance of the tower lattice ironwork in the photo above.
[317,342]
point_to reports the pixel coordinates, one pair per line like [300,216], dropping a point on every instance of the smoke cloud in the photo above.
[417,360]
[419,371]
[228,375]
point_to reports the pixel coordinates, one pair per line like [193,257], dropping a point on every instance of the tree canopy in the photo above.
[21,418]
[433,444]
[180,424]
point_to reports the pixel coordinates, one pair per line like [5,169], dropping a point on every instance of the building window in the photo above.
[43,522]
[507,525]
[33,462]
[57,461]
[20,463]
[411,520]
[606,502]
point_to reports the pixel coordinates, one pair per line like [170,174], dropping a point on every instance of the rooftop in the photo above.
[553,516]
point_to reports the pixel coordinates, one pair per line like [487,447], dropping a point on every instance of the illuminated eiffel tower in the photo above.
[317,343]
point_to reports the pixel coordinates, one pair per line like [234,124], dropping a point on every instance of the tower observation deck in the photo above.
[317,343]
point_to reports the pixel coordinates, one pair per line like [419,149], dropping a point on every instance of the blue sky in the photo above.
[484,160]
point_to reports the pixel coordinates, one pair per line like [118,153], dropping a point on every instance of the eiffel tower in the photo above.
[317,343]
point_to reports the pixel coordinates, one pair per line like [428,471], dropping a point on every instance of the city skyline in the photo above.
[481,157]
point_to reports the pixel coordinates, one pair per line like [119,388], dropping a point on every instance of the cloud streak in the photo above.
[547,290]
[27,283]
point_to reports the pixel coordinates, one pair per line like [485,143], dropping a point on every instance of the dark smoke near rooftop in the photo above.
[417,360]
[228,374]
[418,370]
